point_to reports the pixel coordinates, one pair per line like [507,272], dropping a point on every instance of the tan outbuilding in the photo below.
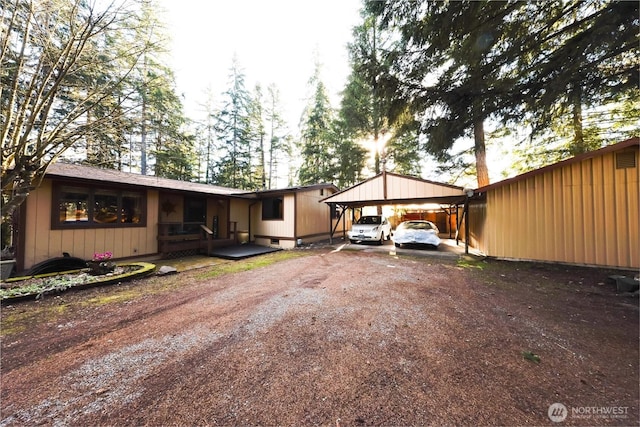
[583,210]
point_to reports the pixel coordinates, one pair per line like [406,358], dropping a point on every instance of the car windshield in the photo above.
[417,226]
[369,220]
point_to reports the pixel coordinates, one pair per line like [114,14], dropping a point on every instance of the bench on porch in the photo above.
[171,244]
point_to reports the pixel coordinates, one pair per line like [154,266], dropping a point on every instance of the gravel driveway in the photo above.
[334,338]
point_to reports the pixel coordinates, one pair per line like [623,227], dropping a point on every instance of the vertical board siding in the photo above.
[584,212]
[398,187]
[312,216]
[42,243]
[633,221]
[274,227]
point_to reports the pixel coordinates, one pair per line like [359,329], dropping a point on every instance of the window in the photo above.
[80,206]
[272,208]
[626,160]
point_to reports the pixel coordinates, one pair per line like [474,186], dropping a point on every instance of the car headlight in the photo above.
[374,229]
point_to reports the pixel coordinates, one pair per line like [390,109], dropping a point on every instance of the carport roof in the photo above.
[388,188]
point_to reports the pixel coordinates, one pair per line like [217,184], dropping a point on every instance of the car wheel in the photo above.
[381,241]
[352,241]
[397,245]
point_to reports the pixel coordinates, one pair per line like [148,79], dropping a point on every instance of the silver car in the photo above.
[370,228]
[416,232]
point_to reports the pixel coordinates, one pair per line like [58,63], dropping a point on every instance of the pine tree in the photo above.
[318,153]
[233,167]
[278,137]
[257,149]
[458,64]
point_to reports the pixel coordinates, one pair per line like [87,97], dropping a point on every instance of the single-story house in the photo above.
[583,210]
[82,210]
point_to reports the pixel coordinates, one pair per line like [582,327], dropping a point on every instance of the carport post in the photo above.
[331,209]
[466,226]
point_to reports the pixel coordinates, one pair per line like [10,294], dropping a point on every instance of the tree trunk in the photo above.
[482,171]
[262,162]
[578,146]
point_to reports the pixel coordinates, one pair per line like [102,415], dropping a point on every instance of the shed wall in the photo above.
[581,213]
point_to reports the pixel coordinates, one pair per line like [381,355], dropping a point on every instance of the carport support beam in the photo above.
[466,226]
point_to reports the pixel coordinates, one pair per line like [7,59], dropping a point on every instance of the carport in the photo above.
[388,188]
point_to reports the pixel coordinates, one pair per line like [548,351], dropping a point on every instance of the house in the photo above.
[583,210]
[282,217]
[81,210]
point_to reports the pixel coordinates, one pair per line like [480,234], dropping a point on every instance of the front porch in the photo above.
[176,239]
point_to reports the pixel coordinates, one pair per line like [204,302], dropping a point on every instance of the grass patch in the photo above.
[531,356]
[16,322]
[251,263]
[464,262]
[112,299]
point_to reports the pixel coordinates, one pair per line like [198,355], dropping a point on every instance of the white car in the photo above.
[370,228]
[416,232]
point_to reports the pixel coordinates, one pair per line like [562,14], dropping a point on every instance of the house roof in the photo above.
[281,191]
[93,174]
[390,188]
[631,142]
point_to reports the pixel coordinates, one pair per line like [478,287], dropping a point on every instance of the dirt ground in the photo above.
[328,338]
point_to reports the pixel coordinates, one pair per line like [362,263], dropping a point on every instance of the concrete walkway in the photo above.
[447,248]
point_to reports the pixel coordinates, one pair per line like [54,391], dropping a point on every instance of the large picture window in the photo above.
[272,208]
[95,207]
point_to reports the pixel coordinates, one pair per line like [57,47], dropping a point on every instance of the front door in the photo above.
[195,214]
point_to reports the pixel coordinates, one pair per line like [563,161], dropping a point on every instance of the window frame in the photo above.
[58,187]
[272,217]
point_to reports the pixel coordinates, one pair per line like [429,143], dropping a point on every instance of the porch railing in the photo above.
[175,239]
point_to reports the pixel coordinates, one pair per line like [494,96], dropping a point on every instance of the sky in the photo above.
[275,41]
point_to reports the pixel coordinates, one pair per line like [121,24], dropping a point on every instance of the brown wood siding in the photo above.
[581,213]
[42,243]
[312,216]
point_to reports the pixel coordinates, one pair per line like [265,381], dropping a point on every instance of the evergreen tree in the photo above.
[205,140]
[448,66]
[584,63]
[233,167]
[257,150]
[458,64]
[317,151]
[350,155]
[174,150]
[278,137]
